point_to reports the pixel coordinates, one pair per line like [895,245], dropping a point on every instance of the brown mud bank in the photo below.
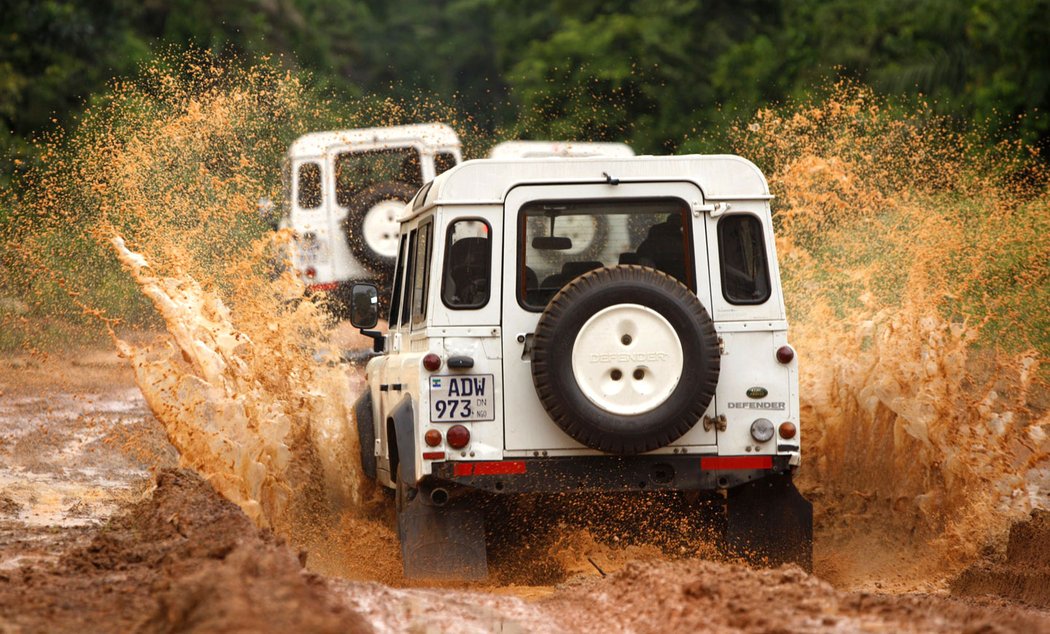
[186,559]
[1023,573]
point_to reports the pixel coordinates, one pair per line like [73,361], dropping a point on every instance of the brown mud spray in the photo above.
[915,268]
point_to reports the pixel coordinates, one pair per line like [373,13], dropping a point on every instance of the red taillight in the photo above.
[310,272]
[432,437]
[433,455]
[432,362]
[457,436]
[785,354]
[788,430]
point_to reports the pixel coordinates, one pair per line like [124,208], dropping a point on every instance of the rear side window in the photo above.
[742,252]
[421,275]
[409,269]
[443,162]
[309,186]
[468,255]
[399,276]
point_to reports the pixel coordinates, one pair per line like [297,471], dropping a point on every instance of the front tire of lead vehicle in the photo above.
[625,359]
[768,522]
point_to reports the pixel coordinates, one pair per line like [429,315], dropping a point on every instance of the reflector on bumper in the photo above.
[727,463]
[502,467]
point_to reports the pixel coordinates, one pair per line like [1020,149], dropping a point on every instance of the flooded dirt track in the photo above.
[101,532]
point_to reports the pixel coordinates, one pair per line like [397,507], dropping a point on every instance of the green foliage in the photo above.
[664,75]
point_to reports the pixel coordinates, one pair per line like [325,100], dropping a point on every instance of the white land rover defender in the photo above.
[653,358]
[348,188]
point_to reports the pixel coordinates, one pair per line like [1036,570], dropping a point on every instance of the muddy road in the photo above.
[101,531]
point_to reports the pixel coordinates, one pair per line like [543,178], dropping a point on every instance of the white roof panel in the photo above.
[436,135]
[720,177]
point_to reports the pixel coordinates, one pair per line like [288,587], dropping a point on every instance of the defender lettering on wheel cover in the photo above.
[629,407]
[584,325]
[642,375]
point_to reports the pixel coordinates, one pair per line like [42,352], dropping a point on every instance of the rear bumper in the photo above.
[611,473]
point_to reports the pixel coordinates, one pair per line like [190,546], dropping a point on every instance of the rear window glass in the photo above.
[309,186]
[356,171]
[561,240]
[468,253]
[742,251]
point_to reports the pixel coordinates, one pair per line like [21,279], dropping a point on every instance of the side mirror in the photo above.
[364,306]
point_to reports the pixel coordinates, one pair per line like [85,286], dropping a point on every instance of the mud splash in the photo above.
[915,263]
[250,416]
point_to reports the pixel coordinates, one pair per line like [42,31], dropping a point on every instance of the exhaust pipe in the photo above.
[439,497]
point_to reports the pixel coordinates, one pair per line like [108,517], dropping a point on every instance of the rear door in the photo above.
[607,225]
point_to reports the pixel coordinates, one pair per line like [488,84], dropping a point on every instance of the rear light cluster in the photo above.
[785,354]
[457,436]
[788,430]
[432,437]
[432,362]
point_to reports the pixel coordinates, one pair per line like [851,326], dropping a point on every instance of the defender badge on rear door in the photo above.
[757,392]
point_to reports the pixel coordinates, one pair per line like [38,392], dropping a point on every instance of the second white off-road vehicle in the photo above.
[348,188]
[654,358]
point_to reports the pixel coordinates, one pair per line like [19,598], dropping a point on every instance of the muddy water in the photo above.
[917,309]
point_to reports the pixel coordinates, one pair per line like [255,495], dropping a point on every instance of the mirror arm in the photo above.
[377,339]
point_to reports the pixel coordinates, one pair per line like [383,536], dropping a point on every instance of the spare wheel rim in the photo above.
[627,359]
[381,227]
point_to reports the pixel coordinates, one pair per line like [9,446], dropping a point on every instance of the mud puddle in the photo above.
[100,532]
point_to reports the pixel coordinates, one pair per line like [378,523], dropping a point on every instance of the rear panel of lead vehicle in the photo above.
[750,335]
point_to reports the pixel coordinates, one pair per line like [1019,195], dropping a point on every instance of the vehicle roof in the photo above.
[535,149]
[438,135]
[487,181]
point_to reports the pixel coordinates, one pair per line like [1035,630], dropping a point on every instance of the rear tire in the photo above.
[439,542]
[768,522]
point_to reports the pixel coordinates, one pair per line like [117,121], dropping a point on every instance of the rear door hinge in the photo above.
[715,422]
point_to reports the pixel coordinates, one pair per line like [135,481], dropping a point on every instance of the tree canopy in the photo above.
[664,75]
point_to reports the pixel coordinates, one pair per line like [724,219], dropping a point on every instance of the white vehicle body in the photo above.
[564,149]
[486,379]
[318,208]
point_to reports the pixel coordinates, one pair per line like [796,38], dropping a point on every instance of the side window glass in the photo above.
[742,254]
[409,270]
[443,162]
[309,186]
[468,254]
[421,275]
[399,276]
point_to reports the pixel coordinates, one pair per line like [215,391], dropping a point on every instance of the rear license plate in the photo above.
[457,399]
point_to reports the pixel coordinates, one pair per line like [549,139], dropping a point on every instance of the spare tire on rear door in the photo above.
[625,359]
[372,225]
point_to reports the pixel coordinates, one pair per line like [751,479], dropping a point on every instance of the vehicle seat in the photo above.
[663,247]
[569,272]
[469,270]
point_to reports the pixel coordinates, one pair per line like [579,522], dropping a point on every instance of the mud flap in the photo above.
[770,523]
[441,542]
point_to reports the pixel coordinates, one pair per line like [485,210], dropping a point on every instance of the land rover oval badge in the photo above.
[757,392]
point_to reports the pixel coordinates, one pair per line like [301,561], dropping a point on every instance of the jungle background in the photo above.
[81,78]
[662,75]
